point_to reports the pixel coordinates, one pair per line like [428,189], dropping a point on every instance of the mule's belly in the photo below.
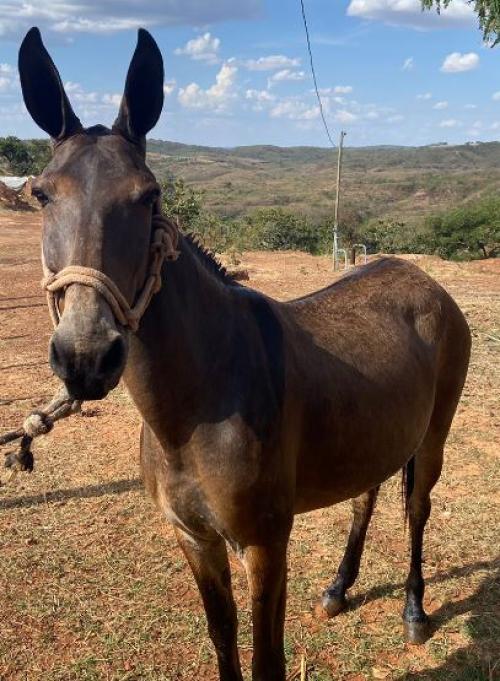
[352,442]
[344,475]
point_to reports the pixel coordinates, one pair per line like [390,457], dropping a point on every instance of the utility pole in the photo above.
[337,199]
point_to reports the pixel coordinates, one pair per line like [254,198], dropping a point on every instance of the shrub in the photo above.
[276,229]
[469,232]
[25,157]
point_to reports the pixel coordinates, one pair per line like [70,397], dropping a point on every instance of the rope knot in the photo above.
[38,423]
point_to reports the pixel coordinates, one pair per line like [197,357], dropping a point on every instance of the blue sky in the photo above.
[237,71]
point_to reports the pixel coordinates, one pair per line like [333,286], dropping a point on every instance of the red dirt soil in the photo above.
[93,587]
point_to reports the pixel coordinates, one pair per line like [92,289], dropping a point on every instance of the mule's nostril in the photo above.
[59,359]
[113,359]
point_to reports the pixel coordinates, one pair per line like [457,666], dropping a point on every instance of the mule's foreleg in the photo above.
[334,600]
[210,566]
[267,576]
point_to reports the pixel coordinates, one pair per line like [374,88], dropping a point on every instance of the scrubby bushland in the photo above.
[24,157]
[468,232]
[471,231]
[264,229]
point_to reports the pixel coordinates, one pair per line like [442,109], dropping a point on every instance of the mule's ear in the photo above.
[143,97]
[43,90]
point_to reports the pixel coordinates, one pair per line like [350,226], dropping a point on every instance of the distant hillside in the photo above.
[402,182]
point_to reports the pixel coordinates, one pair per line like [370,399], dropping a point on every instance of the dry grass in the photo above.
[92,586]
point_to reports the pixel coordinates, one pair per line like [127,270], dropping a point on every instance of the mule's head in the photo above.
[98,197]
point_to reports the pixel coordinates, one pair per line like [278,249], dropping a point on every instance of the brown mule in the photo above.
[253,410]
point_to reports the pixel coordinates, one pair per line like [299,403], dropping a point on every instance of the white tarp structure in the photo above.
[15,183]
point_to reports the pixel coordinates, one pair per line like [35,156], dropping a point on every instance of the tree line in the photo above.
[471,231]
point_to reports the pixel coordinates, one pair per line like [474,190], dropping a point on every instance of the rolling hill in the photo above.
[384,181]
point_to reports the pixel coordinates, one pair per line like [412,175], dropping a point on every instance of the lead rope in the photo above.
[41,421]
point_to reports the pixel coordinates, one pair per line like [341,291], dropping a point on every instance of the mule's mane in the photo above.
[208,260]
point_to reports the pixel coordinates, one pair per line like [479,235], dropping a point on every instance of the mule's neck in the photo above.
[177,357]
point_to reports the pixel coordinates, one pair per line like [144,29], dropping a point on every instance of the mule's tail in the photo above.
[408,483]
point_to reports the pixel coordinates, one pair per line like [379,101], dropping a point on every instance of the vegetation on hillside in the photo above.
[263,229]
[24,157]
[390,183]
[464,226]
[469,232]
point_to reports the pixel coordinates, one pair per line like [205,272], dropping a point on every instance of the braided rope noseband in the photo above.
[163,247]
[41,421]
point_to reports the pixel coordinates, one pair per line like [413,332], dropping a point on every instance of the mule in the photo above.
[253,410]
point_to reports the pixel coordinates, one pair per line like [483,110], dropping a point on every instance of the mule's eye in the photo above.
[40,196]
[149,198]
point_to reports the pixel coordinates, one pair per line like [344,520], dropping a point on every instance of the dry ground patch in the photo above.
[92,586]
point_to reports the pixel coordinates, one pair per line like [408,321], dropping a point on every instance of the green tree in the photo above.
[185,205]
[17,155]
[350,229]
[488,12]
[41,152]
[277,229]
[25,157]
[181,203]
[391,235]
[469,232]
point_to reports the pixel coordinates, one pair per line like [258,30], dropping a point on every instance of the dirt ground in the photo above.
[92,586]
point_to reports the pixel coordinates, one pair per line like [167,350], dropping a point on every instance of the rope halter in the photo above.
[163,247]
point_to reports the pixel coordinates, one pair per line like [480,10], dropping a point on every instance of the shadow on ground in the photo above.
[480,660]
[90,491]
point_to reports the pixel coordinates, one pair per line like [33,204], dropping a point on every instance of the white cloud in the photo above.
[111,99]
[450,123]
[216,97]
[105,16]
[92,102]
[409,13]
[8,78]
[496,96]
[395,119]
[425,96]
[271,63]
[261,99]
[76,93]
[457,62]
[470,106]
[408,64]
[4,83]
[342,89]
[203,48]
[440,106]
[260,95]
[343,116]
[295,110]
[286,75]
[169,87]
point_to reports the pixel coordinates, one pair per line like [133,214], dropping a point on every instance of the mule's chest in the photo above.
[211,484]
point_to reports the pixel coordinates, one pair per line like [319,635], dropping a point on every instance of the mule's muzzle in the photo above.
[90,368]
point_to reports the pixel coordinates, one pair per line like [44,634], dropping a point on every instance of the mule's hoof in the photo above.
[417,633]
[333,604]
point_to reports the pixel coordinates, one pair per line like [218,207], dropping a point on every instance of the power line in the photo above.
[313,71]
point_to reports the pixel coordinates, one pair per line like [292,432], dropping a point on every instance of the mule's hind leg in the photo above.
[210,566]
[422,474]
[334,600]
